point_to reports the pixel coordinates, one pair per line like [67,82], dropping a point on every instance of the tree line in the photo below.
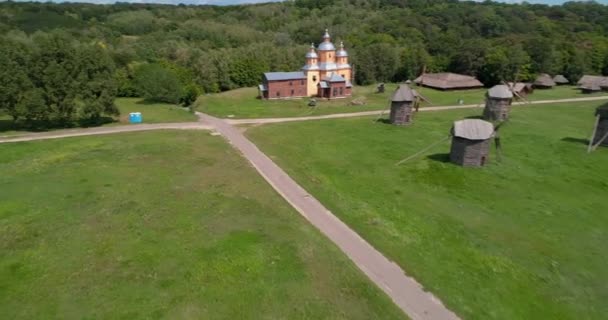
[68,61]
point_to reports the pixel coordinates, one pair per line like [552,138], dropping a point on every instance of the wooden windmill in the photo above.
[470,143]
[402,103]
[600,130]
[498,103]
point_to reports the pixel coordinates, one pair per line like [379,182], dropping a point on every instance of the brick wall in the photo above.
[286,89]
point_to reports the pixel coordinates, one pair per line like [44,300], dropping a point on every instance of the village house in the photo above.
[448,81]
[326,74]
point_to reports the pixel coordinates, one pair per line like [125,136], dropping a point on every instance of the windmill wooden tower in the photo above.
[498,103]
[471,142]
[600,131]
[402,103]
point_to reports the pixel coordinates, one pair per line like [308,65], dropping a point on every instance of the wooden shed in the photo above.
[601,127]
[498,103]
[402,104]
[544,81]
[560,80]
[471,142]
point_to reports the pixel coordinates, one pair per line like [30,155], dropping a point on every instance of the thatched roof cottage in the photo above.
[448,81]
[544,81]
[560,79]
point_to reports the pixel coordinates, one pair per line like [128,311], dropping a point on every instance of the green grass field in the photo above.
[242,103]
[172,225]
[521,239]
[152,112]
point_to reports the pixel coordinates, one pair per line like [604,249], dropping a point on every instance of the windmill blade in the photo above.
[499,125]
[597,121]
[498,145]
[423,98]
[383,111]
[599,142]
[423,150]
[520,97]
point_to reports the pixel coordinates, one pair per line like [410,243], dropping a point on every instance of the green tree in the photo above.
[156,83]
[14,80]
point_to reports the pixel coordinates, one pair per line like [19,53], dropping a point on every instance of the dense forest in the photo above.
[68,61]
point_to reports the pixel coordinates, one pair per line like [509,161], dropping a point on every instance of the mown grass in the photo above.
[152,112]
[521,239]
[242,103]
[170,225]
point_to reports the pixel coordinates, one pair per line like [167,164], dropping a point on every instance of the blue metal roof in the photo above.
[277,76]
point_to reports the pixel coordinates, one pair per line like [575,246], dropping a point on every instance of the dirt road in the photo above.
[377,112]
[101,130]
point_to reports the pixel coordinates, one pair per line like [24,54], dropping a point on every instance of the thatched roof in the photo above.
[473,129]
[590,86]
[544,80]
[588,79]
[500,91]
[560,79]
[404,93]
[448,80]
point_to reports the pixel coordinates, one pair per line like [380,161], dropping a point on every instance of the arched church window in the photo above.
[314,78]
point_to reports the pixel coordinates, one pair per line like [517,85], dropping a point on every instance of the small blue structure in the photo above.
[135,117]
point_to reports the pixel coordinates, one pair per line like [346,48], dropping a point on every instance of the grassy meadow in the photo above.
[242,103]
[521,239]
[151,113]
[171,224]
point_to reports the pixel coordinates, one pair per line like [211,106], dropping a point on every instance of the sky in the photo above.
[229,2]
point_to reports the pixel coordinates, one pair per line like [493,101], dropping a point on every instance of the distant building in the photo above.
[448,81]
[589,84]
[560,80]
[326,74]
[544,81]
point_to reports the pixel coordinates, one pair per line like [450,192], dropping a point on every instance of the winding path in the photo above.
[101,130]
